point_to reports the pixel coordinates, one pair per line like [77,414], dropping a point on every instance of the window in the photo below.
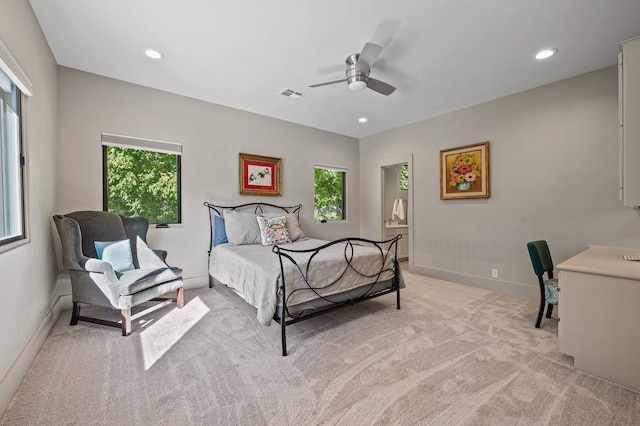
[329,193]
[11,175]
[13,85]
[404,177]
[141,177]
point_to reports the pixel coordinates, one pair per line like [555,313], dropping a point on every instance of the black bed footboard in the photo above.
[379,278]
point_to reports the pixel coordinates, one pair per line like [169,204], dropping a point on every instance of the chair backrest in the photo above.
[540,258]
[100,226]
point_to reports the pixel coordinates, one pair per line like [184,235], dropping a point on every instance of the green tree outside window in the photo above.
[142,183]
[329,194]
[404,177]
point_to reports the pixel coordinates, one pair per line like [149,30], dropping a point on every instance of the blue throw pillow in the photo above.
[117,253]
[219,232]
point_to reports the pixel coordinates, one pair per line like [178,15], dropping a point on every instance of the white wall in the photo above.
[28,271]
[554,176]
[212,137]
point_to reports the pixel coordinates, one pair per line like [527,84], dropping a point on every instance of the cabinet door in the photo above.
[631,122]
[403,247]
[403,243]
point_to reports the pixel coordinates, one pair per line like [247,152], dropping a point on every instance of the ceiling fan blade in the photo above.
[380,87]
[328,82]
[385,32]
[367,57]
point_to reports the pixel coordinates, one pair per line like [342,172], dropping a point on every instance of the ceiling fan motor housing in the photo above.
[355,79]
[358,69]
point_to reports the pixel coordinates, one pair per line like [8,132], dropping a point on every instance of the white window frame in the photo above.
[9,66]
[111,139]
[338,169]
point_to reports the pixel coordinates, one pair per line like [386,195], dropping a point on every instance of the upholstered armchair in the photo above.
[111,266]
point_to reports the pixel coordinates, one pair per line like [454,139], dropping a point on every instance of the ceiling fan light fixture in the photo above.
[357,85]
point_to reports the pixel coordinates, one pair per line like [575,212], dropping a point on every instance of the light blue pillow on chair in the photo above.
[117,253]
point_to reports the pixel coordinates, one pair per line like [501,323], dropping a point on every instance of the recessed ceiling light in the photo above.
[362,119]
[153,54]
[546,53]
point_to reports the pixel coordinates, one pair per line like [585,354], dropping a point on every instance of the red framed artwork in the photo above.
[260,175]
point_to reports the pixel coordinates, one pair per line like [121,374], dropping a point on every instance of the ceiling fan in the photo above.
[357,73]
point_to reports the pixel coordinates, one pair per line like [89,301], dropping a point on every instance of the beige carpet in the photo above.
[453,355]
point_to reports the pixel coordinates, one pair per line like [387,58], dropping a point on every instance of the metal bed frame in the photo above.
[286,318]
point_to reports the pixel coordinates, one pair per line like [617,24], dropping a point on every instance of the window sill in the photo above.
[14,244]
[165,226]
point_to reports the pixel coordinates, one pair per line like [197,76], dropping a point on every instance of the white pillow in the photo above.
[147,258]
[273,230]
[241,228]
[293,225]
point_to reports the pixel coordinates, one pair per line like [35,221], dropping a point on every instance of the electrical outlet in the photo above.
[494,273]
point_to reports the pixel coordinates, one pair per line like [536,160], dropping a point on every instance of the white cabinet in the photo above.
[403,243]
[629,121]
[599,315]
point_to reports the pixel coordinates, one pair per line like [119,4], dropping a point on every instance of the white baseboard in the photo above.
[10,382]
[500,286]
[196,282]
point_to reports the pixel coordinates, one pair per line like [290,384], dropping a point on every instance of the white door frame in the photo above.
[407,159]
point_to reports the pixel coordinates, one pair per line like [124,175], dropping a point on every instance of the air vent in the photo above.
[290,94]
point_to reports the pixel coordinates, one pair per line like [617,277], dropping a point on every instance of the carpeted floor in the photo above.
[453,355]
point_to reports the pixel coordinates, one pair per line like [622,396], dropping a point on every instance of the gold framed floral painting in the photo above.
[464,172]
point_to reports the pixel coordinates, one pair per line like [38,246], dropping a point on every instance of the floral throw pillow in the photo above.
[293,225]
[273,230]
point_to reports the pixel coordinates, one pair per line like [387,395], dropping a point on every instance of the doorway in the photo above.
[395,205]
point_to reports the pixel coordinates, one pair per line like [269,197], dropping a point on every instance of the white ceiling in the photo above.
[442,55]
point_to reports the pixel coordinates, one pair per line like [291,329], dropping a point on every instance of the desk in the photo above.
[599,310]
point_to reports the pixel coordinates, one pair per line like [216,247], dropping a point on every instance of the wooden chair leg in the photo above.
[549,310]
[540,312]
[75,313]
[180,297]
[126,321]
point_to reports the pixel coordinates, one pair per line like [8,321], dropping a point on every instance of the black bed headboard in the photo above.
[256,208]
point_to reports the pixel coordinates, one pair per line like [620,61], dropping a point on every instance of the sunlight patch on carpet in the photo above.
[163,334]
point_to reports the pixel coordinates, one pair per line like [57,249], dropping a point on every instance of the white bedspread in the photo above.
[253,271]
